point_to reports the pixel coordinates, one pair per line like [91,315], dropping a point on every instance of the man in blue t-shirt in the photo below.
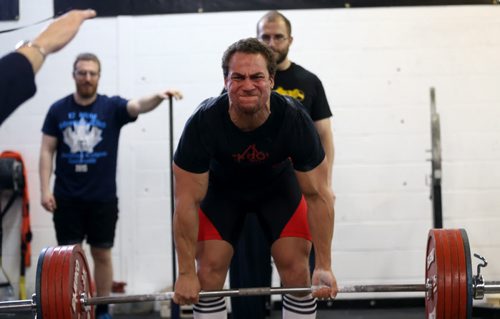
[82,130]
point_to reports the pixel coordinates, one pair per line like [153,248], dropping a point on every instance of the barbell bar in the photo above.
[64,287]
[245,292]
[27,305]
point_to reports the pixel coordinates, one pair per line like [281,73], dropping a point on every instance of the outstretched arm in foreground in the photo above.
[17,69]
[59,33]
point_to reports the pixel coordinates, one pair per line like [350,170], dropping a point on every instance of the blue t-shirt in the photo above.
[87,146]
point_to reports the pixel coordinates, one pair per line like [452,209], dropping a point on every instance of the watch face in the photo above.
[22,43]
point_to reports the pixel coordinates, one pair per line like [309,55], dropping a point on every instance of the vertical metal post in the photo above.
[436,174]
[174,308]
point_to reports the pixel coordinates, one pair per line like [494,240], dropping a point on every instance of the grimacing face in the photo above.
[86,76]
[248,83]
[275,35]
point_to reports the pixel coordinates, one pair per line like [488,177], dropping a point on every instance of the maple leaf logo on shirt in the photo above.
[82,137]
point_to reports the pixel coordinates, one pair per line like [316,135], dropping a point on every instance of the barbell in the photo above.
[64,288]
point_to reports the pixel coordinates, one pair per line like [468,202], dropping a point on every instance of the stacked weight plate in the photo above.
[449,272]
[62,276]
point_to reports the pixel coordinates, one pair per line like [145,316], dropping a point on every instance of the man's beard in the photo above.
[86,90]
[280,56]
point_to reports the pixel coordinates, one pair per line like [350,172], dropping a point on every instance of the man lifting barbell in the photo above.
[250,150]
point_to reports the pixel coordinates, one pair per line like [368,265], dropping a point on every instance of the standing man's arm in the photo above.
[325,133]
[319,197]
[149,103]
[47,151]
[190,189]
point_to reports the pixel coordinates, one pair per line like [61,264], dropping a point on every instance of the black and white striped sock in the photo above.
[210,308]
[299,307]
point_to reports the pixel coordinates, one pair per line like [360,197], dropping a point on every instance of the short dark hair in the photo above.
[251,46]
[87,57]
[274,16]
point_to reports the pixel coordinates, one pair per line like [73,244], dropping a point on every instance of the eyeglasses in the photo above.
[278,38]
[83,74]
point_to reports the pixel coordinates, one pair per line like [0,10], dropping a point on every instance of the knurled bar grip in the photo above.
[251,292]
[30,304]
[491,287]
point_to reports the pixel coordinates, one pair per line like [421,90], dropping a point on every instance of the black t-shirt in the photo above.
[306,87]
[17,83]
[211,142]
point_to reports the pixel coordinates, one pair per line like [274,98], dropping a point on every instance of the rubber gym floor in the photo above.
[386,313]
[323,314]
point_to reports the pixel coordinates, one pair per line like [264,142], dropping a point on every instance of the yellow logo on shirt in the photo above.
[295,93]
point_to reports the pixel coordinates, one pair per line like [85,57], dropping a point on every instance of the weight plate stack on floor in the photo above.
[448,270]
[468,262]
[434,273]
[62,276]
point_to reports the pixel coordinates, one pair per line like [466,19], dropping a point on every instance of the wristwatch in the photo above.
[29,44]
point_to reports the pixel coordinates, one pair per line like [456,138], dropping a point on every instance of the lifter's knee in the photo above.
[213,259]
[291,258]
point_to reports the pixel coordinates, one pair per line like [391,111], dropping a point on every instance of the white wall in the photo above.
[377,66]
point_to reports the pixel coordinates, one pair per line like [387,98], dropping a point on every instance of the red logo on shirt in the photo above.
[251,154]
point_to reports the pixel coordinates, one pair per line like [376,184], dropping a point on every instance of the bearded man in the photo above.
[83,130]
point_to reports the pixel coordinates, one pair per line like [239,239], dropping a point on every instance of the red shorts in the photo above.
[281,211]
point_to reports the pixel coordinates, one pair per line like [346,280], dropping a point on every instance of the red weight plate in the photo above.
[47,282]
[61,286]
[430,272]
[50,283]
[86,284]
[448,301]
[434,301]
[462,308]
[468,263]
[39,277]
[76,277]
[455,273]
[45,298]
[54,286]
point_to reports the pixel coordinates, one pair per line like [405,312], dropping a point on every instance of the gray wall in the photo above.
[377,66]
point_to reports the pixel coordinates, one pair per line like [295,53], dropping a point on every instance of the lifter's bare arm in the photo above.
[190,189]
[319,197]
[47,151]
